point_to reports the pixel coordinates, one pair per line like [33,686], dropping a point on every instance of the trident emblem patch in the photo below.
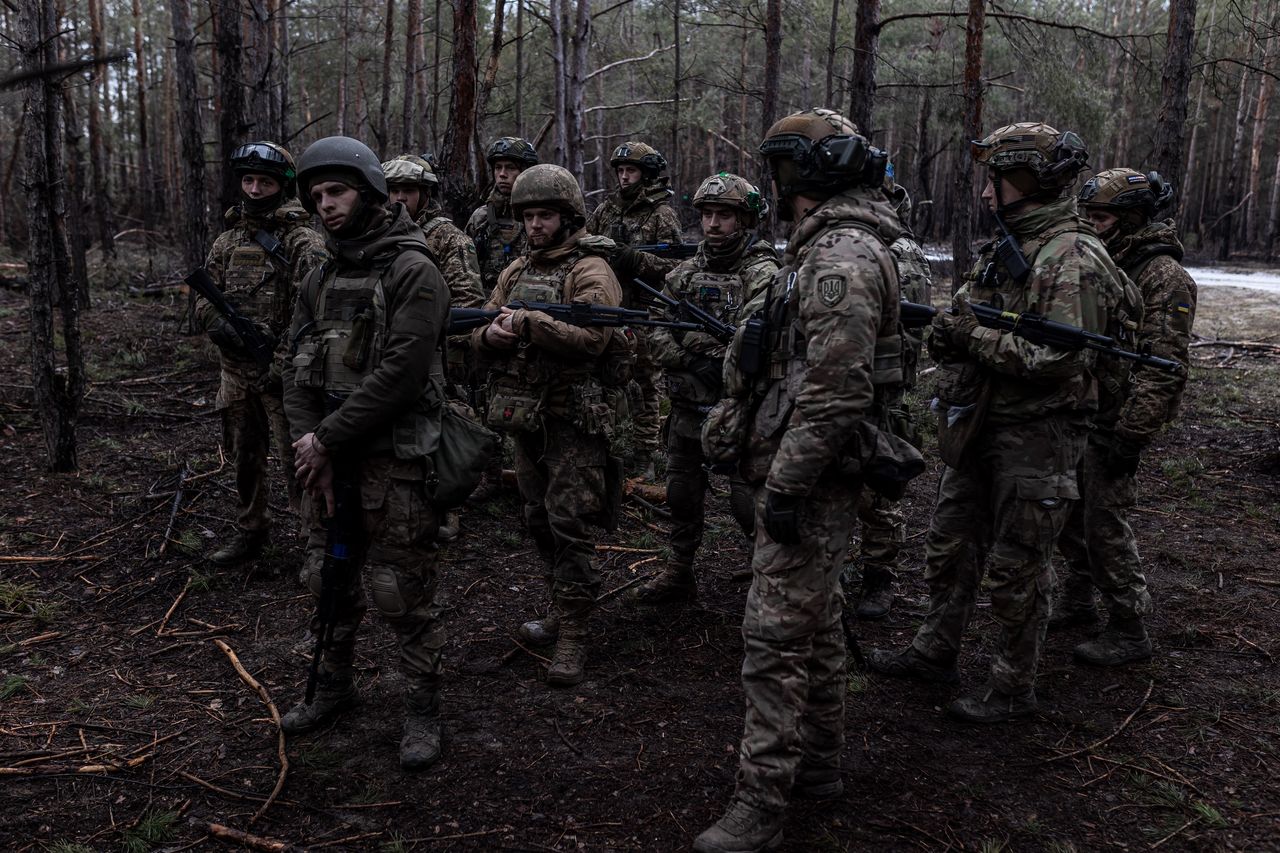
[831,290]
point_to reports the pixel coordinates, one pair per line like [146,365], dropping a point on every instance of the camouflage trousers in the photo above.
[793,671]
[560,474]
[884,530]
[687,483]
[646,414]
[400,558]
[1098,543]
[1001,513]
[253,420]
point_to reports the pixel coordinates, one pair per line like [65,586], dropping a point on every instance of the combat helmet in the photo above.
[345,155]
[1052,159]
[644,157]
[1127,191]
[265,158]
[512,148]
[819,152]
[735,192]
[410,169]
[547,185]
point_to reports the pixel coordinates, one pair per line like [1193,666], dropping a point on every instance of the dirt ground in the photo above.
[124,726]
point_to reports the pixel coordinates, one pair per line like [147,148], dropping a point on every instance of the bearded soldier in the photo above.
[1098,542]
[883,526]
[831,324]
[259,262]
[1012,421]
[497,232]
[639,213]
[730,268]
[551,390]
[361,401]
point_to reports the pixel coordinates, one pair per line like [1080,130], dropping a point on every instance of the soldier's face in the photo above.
[719,223]
[408,195]
[627,175]
[259,186]
[541,225]
[1102,221]
[1008,194]
[505,173]
[336,203]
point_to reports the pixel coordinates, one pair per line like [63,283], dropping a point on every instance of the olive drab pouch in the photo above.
[465,449]
[308,364]
[356,353]
[588,410]
[724,432]
[882,460]
[964,396]
[515,406]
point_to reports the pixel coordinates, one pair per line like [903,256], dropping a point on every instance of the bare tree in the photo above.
[863,85]
[103,217]
[383,129]
[962,232]
[195,226]
[1175,83]
[412,32]
[459,164]
[232,124]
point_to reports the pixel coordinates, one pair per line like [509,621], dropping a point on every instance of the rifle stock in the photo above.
[258,345]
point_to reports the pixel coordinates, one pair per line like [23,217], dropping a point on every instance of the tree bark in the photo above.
[831,49]
[575,87]
[56,395]
[232,125]
[962,233]
[97,150]
[459,165]
[863,87]
[282,77]
[495,58]
[146,190]
[1175,83]
[772,64]
[520,68]
[556,16]
[673,168]
[383,131]
[344,80]
[412,31]
[194,226]
[75,199]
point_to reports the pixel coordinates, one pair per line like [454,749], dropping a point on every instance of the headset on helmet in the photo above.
[1127,190]
[512,148]
[732,191]
[1053,158]
[820,152]
[644,157]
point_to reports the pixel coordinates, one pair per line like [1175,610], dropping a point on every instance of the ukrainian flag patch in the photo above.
[1184,308]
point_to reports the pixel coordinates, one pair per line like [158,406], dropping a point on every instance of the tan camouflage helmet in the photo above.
[1053,158]
[732,191]
[644,157]
[513,148]
[820,152]
[1127,190]
[547,185]
[410,169]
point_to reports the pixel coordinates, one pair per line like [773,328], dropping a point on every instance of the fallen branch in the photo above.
[173,513]
[1124,725]
[253,842]
[275,717]
[39,638]
[16,558]
[622,549]
[160,632]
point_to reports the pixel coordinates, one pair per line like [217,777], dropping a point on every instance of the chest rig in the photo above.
[260,288]
[347,336]
[503,241]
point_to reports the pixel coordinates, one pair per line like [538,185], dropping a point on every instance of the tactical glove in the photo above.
[625,262]
[783,517]
[223,334]
[1122,456]
[956,325]
[710,371]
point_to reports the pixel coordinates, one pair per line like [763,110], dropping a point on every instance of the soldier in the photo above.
[1012,422]
[412,182]
[553,391]
[832,316]
[639,213]
[367,327]
[730,268]
[1122,204]
[498,234]
[883,527]
[259,262]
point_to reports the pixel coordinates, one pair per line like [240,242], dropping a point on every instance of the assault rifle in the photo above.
[259,346]
[671,250]
[686,310]
[342,546]
[584,314]
[1039,329]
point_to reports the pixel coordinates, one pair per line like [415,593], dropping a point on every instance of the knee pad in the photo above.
[385,588]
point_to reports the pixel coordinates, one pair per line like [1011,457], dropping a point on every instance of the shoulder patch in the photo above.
[832,289]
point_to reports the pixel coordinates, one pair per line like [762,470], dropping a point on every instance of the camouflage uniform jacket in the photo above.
[498,235]
[835,342]
[1151,258]
[915,284]
[644,220]
[722,288]
[454,254]
[1072,281]
[254,283]
[387,276]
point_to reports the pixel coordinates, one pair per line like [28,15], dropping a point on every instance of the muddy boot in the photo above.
[334,696]
[450,528]
[877,595]
[673,584]
[540,632]
[420,745]
[990,705]
[1122,641]
[244,545]
[743,829]
[570,656]
[1074,605]
[817,783]
[909,663]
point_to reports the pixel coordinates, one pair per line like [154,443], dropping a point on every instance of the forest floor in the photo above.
[125,725]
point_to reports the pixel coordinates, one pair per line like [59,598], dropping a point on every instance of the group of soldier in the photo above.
[802,408]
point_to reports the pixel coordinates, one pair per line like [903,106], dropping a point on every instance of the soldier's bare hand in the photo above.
[501,334]
[309,455]
[320,484]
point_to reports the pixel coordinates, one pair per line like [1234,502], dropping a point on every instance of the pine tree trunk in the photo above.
[344,81]
[495,58]
[412,31]
[384,106]
[194,222]
[459,165]
[146,191]
[831,49]
[559,65]
[866,37]
[575,84]
[519,68]
[769,105]
[232,126]
[1175,83]
[283,102]
[97,150]
[962,232]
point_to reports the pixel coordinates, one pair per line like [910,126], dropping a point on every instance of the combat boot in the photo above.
[991,705]
[244,545]
[673,584]
[817,783]
[420,744]
[877,595]
[567,663]
[334,696]
[540,632]
[743,829]
[909,663]
[1122,641]
[450,528]
[1074,605]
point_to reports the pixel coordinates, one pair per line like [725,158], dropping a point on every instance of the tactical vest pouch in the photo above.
[308,364]
[962,402]
[886,365]
[724,432]
[356,354]
[588,409]
[464,450]
[883,461]
[515,406]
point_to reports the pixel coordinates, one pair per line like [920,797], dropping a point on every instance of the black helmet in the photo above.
[340,154]
[265,158]
[512,148]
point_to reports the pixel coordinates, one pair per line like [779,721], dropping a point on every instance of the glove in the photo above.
[625,262]
[783,517]
[272,382]
[957,325]
[223,334]
[709,371]
[1122,456]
